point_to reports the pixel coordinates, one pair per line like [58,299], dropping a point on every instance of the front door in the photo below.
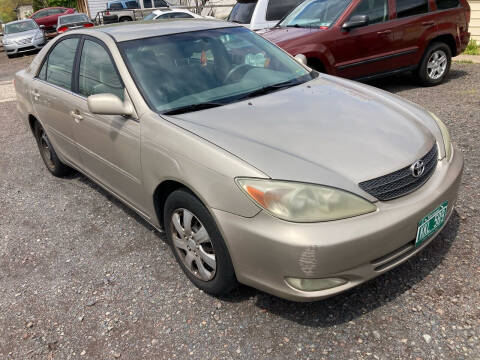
[109,144]
[365,50]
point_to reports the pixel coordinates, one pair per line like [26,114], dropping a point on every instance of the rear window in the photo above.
[277,9]
[242,12]
[73,19]
[411,7]
[446,4]
[132,5]
[115,6]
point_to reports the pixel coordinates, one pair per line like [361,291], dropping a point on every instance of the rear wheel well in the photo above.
[161,194]
[446,39]
[316,64]
[32,120]
[125,18]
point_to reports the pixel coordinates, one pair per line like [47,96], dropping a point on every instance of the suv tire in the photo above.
[435,64]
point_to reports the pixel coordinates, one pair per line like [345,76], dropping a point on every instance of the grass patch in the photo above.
[472,48]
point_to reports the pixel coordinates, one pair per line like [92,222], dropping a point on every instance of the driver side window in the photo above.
[376,10]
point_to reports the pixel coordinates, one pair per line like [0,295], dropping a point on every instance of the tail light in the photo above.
[62,29]
[88,25]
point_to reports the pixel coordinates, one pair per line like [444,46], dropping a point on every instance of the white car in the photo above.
[261,14]
[171,14]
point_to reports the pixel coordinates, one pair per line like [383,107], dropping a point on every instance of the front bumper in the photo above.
[15,48]
[266,250]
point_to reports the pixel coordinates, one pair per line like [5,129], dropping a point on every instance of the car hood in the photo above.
[21,35]
[327,131]
[279,35]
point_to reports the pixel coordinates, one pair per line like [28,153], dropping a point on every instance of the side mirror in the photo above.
[109,104]
[302,59]
[355,21]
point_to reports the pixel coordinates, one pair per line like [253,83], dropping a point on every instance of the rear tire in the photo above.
[197,244]
[48,154]
[125,19]
[435,64]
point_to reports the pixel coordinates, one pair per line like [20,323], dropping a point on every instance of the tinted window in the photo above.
[181,16]
[59,64]
[55,11]
[160,3]
[40,14]
[242,12]
[150,16]
[132,5]
[70,19]
[97,75]
[377,10]
[411,7]
[164,16]
[116,6]
[446,4]
[277,9]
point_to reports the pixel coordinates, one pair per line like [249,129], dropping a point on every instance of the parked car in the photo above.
[72,22]
[171,14]
[297,183]
[121,10]
[260,14]
[364,39]
[48,17]
[22,36]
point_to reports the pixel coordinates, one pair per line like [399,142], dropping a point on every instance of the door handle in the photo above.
[76,116]
[35,94]
[428,23]
[384,32]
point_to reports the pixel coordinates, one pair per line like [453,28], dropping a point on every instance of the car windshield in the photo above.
[150,16]
[315,13]
[242,12]
[72,19]
[20,27]
[189,71]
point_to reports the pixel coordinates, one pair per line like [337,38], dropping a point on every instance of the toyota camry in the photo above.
[259,170]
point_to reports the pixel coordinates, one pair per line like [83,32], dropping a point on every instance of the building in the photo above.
[23,11]
[474,26]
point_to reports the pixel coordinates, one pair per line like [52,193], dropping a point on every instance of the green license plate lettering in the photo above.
[431,223]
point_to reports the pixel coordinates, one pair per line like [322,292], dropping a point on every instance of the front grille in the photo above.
[401,182]
[24,41]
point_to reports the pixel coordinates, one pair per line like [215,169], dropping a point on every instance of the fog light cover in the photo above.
[315,284]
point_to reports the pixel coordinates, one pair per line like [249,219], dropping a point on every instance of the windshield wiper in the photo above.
[269,89]
[193,107]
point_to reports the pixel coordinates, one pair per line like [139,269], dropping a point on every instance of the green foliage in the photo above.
[472,48]
[63,3]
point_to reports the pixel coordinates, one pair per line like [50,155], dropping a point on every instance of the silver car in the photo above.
[259,170]
[22,36]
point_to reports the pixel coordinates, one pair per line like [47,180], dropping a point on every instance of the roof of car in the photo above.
[136,30]
[19,21]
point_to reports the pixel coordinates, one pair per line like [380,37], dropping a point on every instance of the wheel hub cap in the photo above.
[437,64]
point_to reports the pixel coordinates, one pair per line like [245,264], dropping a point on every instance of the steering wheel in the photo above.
[236,69]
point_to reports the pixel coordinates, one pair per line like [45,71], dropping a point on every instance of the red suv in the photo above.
[48,17]
[364,39]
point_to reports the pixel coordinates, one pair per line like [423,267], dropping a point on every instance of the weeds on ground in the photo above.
[472,48]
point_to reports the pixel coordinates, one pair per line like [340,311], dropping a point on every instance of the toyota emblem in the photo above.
[417,168]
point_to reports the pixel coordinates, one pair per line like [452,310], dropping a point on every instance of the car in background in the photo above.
[48,17]
[22,36]
[123,10]
[365,39]
[171,14]
[261,14]
[73,21]
[297,183]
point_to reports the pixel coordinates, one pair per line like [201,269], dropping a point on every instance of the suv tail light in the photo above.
[62,29]
[88,25]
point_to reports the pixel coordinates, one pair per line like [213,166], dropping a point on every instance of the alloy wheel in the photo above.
[437,64]
[193,245]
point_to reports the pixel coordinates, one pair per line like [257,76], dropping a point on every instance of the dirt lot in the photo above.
[81,276]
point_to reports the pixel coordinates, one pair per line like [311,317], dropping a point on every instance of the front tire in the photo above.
[197,244]
[435,64]
[48,154]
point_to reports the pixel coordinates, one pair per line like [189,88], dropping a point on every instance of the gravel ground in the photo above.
[82,276]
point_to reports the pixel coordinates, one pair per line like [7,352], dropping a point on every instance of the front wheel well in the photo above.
[32,121]
[446,39]
[161,194]
[316,64]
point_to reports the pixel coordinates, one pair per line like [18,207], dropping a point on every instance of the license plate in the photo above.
[431,223]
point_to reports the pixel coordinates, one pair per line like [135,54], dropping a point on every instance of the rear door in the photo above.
[52,95]
[109,144]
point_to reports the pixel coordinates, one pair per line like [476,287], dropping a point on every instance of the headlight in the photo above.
[445,135]
[301,202]
[7,42]
[38,35]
